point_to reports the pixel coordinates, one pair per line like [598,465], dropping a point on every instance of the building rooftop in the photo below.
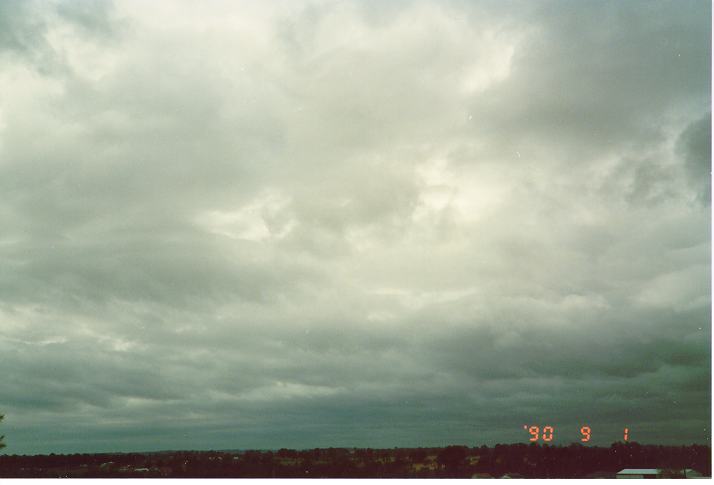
[638,471]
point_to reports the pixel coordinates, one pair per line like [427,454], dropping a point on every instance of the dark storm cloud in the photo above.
[345,224]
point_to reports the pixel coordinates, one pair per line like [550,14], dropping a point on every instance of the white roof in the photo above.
[638,471]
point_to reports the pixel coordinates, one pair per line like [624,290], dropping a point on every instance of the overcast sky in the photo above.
[334,223]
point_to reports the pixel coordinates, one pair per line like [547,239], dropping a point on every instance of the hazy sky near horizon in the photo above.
[343,223]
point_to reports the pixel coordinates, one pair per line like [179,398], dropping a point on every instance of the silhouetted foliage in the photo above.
[526,460]
[2,437]
[452,459]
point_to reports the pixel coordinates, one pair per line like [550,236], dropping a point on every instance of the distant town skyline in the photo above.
[301,224]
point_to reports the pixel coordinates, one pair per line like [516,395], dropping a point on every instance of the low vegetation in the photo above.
[530,461]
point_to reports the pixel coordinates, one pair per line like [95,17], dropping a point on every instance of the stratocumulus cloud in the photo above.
[316,223]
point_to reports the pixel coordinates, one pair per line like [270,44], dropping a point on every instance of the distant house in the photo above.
[473,460]
[689,473]
[638,473]
[657,473]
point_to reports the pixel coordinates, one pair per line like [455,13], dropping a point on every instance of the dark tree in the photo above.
[452,459]
[2,444]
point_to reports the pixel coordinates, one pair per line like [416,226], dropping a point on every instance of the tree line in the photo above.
[526,460]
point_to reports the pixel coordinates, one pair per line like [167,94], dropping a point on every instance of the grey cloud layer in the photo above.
[345,224]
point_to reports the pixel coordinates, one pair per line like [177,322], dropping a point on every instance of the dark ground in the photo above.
[519,460]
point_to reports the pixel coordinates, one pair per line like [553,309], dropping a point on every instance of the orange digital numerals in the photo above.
[547,434]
